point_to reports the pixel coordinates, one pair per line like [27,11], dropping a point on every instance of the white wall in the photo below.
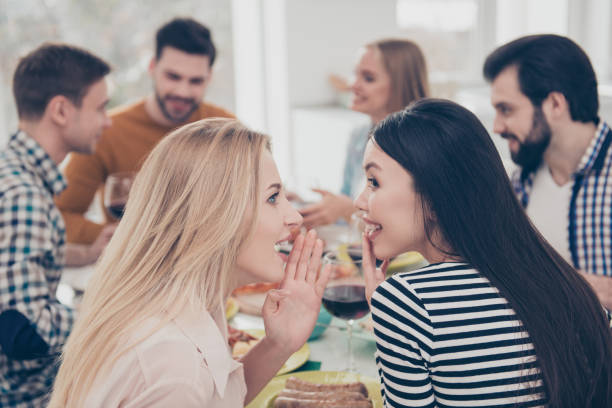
[300,43]
[589,24]
[324,36]
[516,18]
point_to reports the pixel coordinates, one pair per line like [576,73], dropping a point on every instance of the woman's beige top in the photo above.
[186,363]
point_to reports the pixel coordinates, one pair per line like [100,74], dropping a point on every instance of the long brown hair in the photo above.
[405,64]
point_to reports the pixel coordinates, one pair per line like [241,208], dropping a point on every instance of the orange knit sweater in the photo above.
[122,147]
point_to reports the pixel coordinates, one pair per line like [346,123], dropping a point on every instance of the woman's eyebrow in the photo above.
[369,165]
[277,186]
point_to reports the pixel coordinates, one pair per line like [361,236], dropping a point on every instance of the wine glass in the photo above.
[353,236]
[116,192]
[344,297]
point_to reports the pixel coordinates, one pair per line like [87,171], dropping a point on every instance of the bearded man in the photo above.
[181,71]
[544,91]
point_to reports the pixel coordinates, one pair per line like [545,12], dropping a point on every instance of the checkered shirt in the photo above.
[590,216]
[32,239]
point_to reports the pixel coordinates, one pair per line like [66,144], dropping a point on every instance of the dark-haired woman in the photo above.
[499,318]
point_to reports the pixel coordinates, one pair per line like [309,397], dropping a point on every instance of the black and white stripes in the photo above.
[446,338]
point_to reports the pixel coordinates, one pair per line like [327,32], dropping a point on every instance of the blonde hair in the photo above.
[405,64]
[191,207]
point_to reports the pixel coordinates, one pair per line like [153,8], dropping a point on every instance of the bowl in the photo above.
[323,321]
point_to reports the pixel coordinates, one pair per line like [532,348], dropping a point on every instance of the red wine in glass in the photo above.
[116,192]
[346,301]
[116,210]
[344,297]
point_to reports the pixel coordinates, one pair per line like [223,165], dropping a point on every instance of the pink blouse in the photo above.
[186,363]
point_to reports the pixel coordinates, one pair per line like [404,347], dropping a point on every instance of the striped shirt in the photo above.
[33,324]
[589,219]
[445,337]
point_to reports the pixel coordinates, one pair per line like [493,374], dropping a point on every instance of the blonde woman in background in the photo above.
[389,76]
[204,215]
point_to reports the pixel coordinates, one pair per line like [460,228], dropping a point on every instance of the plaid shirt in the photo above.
[590,216]
[32,238]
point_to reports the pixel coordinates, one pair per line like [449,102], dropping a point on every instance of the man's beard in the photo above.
[531,151]
[161,102]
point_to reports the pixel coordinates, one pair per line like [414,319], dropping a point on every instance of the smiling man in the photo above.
[544,92]
[180,71]
[61,100]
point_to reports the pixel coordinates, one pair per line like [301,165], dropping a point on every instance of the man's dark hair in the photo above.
[187,35]
[549,63]
[51,70]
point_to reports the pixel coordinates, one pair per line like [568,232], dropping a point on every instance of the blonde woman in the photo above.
[389,76]
[204,215]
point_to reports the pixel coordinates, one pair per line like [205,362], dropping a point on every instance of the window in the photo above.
[121,32]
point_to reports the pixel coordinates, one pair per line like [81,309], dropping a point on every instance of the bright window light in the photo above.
[437,15]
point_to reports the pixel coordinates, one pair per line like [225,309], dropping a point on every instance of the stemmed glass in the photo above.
[116,192]
[344,297]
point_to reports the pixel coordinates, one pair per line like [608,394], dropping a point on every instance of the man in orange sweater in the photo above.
[181,72]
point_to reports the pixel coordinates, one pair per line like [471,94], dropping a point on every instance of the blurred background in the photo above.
[276,56]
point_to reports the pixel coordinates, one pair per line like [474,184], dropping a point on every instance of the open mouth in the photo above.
[371,230]
[283,248]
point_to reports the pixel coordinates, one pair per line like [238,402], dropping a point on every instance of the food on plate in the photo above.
[295,383]
[343,271]
[325,395]
[258,287]
[240,342]
[251,297]
[304,394]
[231,308]
[282,402]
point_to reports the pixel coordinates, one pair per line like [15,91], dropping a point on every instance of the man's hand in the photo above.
[602,285]
[81,254]
[328,210]
[96,248]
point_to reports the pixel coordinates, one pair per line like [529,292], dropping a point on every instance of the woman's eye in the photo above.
[372,182]
[272,198]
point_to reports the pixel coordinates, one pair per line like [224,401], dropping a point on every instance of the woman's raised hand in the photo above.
[372,275]
[291,312]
